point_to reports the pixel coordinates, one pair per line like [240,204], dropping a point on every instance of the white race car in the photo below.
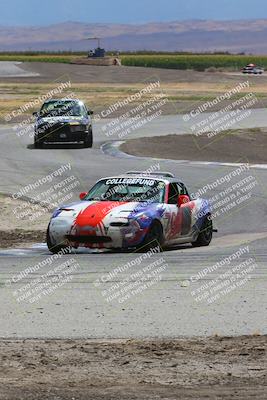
[132,211]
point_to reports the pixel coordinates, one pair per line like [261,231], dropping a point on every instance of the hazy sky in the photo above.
[34,12]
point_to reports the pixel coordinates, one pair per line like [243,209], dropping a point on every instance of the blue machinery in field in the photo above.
[98,52]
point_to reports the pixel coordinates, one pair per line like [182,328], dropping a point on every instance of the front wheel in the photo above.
[38,144]
[88,141]
[153,238]
[55,249]
[205,235]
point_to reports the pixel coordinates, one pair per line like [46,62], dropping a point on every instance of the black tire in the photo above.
[55,249]
[38,144]
[205,235]
[88,141]
[153,238]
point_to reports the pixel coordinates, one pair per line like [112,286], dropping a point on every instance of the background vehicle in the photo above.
[63,120]
[252,69]
[132,211]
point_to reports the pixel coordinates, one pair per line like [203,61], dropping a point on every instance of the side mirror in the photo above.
[90,112]
[82,195]
[183,199]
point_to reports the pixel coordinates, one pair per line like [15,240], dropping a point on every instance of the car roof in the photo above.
[64,99]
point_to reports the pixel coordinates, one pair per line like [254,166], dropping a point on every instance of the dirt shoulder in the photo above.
[208,368]
[233,146]
[20,238]
[22,222]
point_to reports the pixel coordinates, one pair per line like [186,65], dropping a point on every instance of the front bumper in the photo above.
[62,133]
[114,237]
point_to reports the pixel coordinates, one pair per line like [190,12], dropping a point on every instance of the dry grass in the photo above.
[14,96]
[99,96]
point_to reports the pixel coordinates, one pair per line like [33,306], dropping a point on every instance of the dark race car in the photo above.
[63,120]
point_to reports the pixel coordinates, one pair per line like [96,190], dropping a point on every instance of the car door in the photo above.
[179,215]
[185,211]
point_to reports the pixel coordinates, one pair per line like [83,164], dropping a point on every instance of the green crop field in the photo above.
[195,62]
[198,62]
[38,57]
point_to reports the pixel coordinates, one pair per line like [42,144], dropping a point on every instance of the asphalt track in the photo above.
[11,69]
[166,309]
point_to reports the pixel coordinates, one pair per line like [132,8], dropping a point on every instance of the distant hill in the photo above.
[248,36]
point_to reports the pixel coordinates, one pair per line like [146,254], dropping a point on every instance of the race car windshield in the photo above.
[60,108]
[128,189]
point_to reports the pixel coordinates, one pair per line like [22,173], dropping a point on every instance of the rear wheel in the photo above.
[205,235]
[153,238]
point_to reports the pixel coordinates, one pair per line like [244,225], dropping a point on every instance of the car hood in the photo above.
[62,119]
[94,212]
